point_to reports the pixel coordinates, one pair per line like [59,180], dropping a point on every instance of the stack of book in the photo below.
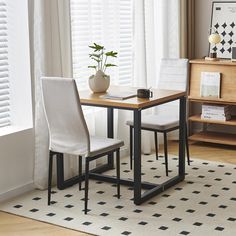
[214,112]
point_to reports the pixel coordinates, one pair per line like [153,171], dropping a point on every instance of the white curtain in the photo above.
[156,36]
[108,23]
[50,56]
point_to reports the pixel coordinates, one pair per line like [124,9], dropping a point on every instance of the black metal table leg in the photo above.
[137,157]
[186,143]
[153,189]
[182,130]
[138,197]
[110,133]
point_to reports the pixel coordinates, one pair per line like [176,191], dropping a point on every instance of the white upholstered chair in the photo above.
[68,130]
[173,76]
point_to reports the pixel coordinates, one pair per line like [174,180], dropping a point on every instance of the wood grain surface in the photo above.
[159,96]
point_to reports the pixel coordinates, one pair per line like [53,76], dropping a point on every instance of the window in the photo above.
[4,76]
[109,23]
[15,79]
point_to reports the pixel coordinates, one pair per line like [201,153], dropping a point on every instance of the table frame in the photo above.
[137,184]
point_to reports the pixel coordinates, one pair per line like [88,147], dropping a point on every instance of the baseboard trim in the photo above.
[16,192]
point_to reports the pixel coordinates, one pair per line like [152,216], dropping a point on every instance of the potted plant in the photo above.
[99,82]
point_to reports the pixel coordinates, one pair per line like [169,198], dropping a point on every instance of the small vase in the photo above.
[99,82]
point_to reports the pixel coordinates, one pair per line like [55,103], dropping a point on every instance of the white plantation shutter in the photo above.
[106,22]
[126,42]
[4,76]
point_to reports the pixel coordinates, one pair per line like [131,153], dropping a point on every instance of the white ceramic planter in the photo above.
[99,82]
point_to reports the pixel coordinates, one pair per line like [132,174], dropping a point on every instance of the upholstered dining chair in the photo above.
[68,132]
[173,76]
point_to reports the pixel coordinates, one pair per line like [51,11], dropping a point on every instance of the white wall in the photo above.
[16,163]
[17,149]
[203,21]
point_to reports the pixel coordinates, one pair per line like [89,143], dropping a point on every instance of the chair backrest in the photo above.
[67,127]
[173,76]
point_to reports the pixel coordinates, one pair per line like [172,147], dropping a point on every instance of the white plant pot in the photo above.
[99,82]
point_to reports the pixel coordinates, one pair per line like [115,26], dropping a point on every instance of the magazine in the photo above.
[119,96]
[210,84]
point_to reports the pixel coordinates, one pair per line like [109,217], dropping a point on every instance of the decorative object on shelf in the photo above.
[223,19]
[210,84]
[100,82]
[214,38]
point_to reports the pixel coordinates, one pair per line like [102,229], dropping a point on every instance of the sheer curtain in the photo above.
[109,23]
[156,36]
[50,28]
[50,56]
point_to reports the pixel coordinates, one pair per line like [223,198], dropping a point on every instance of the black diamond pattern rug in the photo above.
[203,204]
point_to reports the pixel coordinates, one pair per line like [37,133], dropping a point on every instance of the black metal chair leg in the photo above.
[118,172]
[156,144]
[80,172]
[187,146]
[86,187]
[50,176]
[166,152]
[131,146]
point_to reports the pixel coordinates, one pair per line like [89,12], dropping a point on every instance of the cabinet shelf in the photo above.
[227,69]
[224,62]
[197,118]
[214,137]
[211,100]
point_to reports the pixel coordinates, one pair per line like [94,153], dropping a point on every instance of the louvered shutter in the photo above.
[110,23]
[126,42]
[4,76]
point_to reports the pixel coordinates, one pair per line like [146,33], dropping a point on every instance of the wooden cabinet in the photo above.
[228,97]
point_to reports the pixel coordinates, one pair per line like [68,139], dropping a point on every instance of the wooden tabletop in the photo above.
[159,96]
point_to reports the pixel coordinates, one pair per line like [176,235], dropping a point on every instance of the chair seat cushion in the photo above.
[100,145]
[157,122]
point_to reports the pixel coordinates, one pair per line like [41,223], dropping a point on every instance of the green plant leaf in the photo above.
[93,67]
[98,56]
[97,47]
[93,47]
[95,55]
[95,59]
[109,65]
[111,54]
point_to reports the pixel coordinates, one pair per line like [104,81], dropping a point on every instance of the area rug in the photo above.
[203,204]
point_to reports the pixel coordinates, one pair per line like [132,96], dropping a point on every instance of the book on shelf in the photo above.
[210,84]
[216,117]
[216,108]
[216,112]
[119,96]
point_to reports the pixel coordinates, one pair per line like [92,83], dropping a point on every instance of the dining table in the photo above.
[142,190]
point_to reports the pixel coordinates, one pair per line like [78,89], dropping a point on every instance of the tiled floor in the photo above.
[204,204]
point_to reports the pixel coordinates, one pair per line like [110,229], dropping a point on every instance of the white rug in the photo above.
[204,204]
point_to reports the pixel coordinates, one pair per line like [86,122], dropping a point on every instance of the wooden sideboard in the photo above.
[228,97]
